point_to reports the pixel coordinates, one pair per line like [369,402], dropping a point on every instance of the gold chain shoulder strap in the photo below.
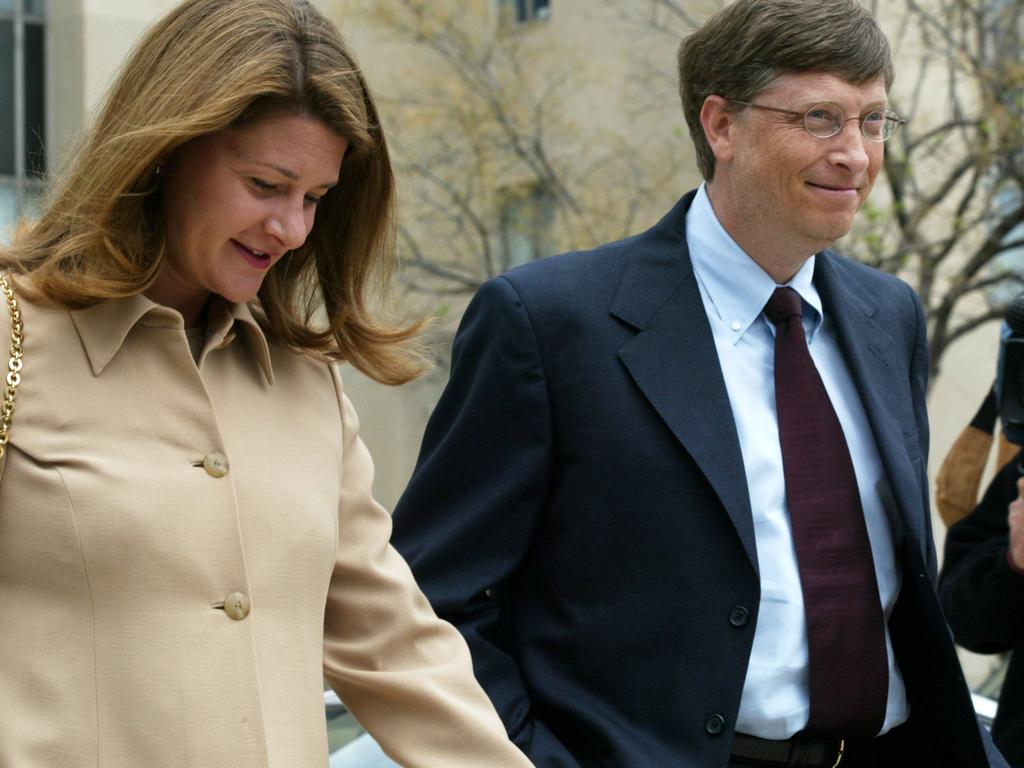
[13,365]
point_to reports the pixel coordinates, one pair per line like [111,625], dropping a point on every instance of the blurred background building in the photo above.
[521,128]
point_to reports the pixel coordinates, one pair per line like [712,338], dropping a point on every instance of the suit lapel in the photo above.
[867,347]
[675,364]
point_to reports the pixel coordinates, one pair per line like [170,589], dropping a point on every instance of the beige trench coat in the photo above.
[185,551]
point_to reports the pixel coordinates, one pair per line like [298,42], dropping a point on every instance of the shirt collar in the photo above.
[737,287]
[104,327]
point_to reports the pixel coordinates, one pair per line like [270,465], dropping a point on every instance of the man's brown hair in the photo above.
[743,49]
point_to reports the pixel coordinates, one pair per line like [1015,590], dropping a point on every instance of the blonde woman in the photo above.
[187,536]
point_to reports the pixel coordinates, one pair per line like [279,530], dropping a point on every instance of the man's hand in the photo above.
[1016,522]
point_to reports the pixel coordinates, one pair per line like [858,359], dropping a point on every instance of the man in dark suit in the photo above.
[674,494]
[982,591]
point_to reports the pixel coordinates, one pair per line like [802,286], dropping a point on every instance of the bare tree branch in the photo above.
[954,176]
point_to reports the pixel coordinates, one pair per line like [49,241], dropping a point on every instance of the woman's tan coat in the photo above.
[140,494]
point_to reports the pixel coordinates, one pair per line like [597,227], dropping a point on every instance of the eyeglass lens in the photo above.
[826,120]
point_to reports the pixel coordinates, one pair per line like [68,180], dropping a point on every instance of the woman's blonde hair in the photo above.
[206,66]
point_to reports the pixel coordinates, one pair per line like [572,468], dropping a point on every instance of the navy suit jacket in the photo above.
[579,508]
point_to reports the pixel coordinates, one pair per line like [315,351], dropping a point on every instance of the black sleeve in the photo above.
[982,596]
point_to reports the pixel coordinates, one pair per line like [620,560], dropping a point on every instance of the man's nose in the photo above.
[850,147]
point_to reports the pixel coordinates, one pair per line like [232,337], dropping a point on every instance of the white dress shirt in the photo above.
[775,700]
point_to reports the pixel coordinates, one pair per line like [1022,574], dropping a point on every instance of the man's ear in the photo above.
[718,123]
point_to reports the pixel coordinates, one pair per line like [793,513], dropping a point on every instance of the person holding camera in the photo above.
[982,592]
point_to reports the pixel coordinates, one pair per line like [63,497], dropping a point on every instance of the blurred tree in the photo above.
[501,164]
[948,210]
[496,169]
[951,222]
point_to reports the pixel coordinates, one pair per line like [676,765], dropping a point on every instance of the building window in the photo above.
[22,108]
[522,11]
[1010,261]
[527,10]
[527,222]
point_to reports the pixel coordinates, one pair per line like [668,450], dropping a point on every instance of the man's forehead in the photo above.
[826,86]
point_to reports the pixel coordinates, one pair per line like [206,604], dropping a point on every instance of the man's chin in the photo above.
[830,231]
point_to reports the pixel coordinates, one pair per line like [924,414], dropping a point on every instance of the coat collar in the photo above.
[663,264]
[674,362]
[104,327]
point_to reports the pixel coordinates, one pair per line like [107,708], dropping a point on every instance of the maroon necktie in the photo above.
[847,664]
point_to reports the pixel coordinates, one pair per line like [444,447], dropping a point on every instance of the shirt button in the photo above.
[738,616]
[714,725]
[215,464]
[736,325]
[236,605]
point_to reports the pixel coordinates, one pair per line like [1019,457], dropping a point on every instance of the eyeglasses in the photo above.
[825,120]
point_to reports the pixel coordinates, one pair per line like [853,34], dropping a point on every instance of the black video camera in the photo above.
[1010,372]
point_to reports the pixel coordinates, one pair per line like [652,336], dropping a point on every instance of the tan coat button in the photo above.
[236,605]
[215,464]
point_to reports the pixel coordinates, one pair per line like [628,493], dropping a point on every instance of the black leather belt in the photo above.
[796,752]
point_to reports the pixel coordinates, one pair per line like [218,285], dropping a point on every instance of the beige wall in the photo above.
[64,81]
[87,39]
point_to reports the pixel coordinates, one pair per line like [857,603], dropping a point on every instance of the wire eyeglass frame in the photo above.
[832,124]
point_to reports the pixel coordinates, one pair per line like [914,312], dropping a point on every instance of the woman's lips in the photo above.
[254,258]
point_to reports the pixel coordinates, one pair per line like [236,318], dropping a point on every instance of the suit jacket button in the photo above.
[739,616]
[714,725]
[215,464]
[236,605]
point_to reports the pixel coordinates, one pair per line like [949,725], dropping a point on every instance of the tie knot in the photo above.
[784,304]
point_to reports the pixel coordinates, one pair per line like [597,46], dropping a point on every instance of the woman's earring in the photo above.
[158,170]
